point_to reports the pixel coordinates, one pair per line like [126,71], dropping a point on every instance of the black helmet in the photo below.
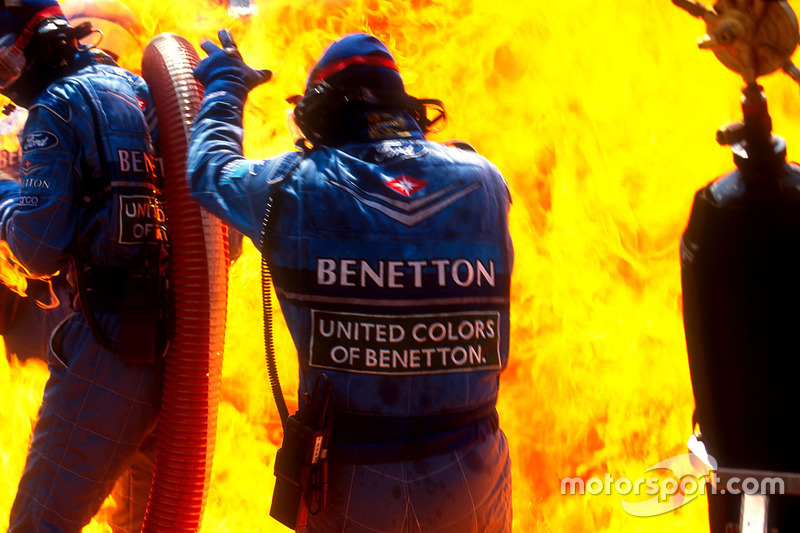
[19,22]
[37,44]
[358,71]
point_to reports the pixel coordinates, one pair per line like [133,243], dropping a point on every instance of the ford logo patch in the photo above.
[39,140]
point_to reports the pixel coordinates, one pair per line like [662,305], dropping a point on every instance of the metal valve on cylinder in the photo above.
[750,37]
[740,254]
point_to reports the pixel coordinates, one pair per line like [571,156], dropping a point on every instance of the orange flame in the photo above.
[12,274]
[602,116]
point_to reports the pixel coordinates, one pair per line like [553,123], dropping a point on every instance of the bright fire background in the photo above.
[601,115]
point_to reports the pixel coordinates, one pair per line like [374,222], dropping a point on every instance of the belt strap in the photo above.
[360,438]
[105,288]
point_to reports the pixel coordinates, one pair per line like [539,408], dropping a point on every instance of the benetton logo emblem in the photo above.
[406,185]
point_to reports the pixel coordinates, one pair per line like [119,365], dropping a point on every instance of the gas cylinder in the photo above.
[740,270]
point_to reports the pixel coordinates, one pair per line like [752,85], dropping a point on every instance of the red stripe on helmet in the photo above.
[27,32]
[368,61]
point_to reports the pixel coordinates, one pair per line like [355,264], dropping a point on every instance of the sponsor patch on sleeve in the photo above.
[28,201]
[405,344]
[39,140]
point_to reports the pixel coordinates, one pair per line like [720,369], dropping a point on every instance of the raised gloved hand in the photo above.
[224,69]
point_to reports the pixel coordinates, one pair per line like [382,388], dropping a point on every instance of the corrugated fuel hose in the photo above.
[193,367]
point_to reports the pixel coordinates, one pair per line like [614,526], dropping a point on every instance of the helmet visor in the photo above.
[12,61]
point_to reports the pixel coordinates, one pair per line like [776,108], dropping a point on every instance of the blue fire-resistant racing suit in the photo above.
[391,259]
[27,321]
[88,194]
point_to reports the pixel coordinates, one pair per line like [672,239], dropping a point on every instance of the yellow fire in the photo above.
[12,274]
[602,117]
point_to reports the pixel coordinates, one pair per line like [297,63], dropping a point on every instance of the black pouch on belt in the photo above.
[301,467]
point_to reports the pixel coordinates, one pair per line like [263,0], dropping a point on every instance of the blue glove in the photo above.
[9,201]
[9,188]
[224,70]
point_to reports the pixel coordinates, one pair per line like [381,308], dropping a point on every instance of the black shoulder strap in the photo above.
[285,169]
[80,245]
[79,249]
[96,188]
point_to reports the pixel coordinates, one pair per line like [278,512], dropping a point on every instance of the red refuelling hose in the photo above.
[193,366]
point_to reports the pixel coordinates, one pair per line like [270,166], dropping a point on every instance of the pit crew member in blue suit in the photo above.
[392,261]
[88,202]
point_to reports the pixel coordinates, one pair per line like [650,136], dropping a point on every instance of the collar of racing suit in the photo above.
[25,91]
[374,125]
